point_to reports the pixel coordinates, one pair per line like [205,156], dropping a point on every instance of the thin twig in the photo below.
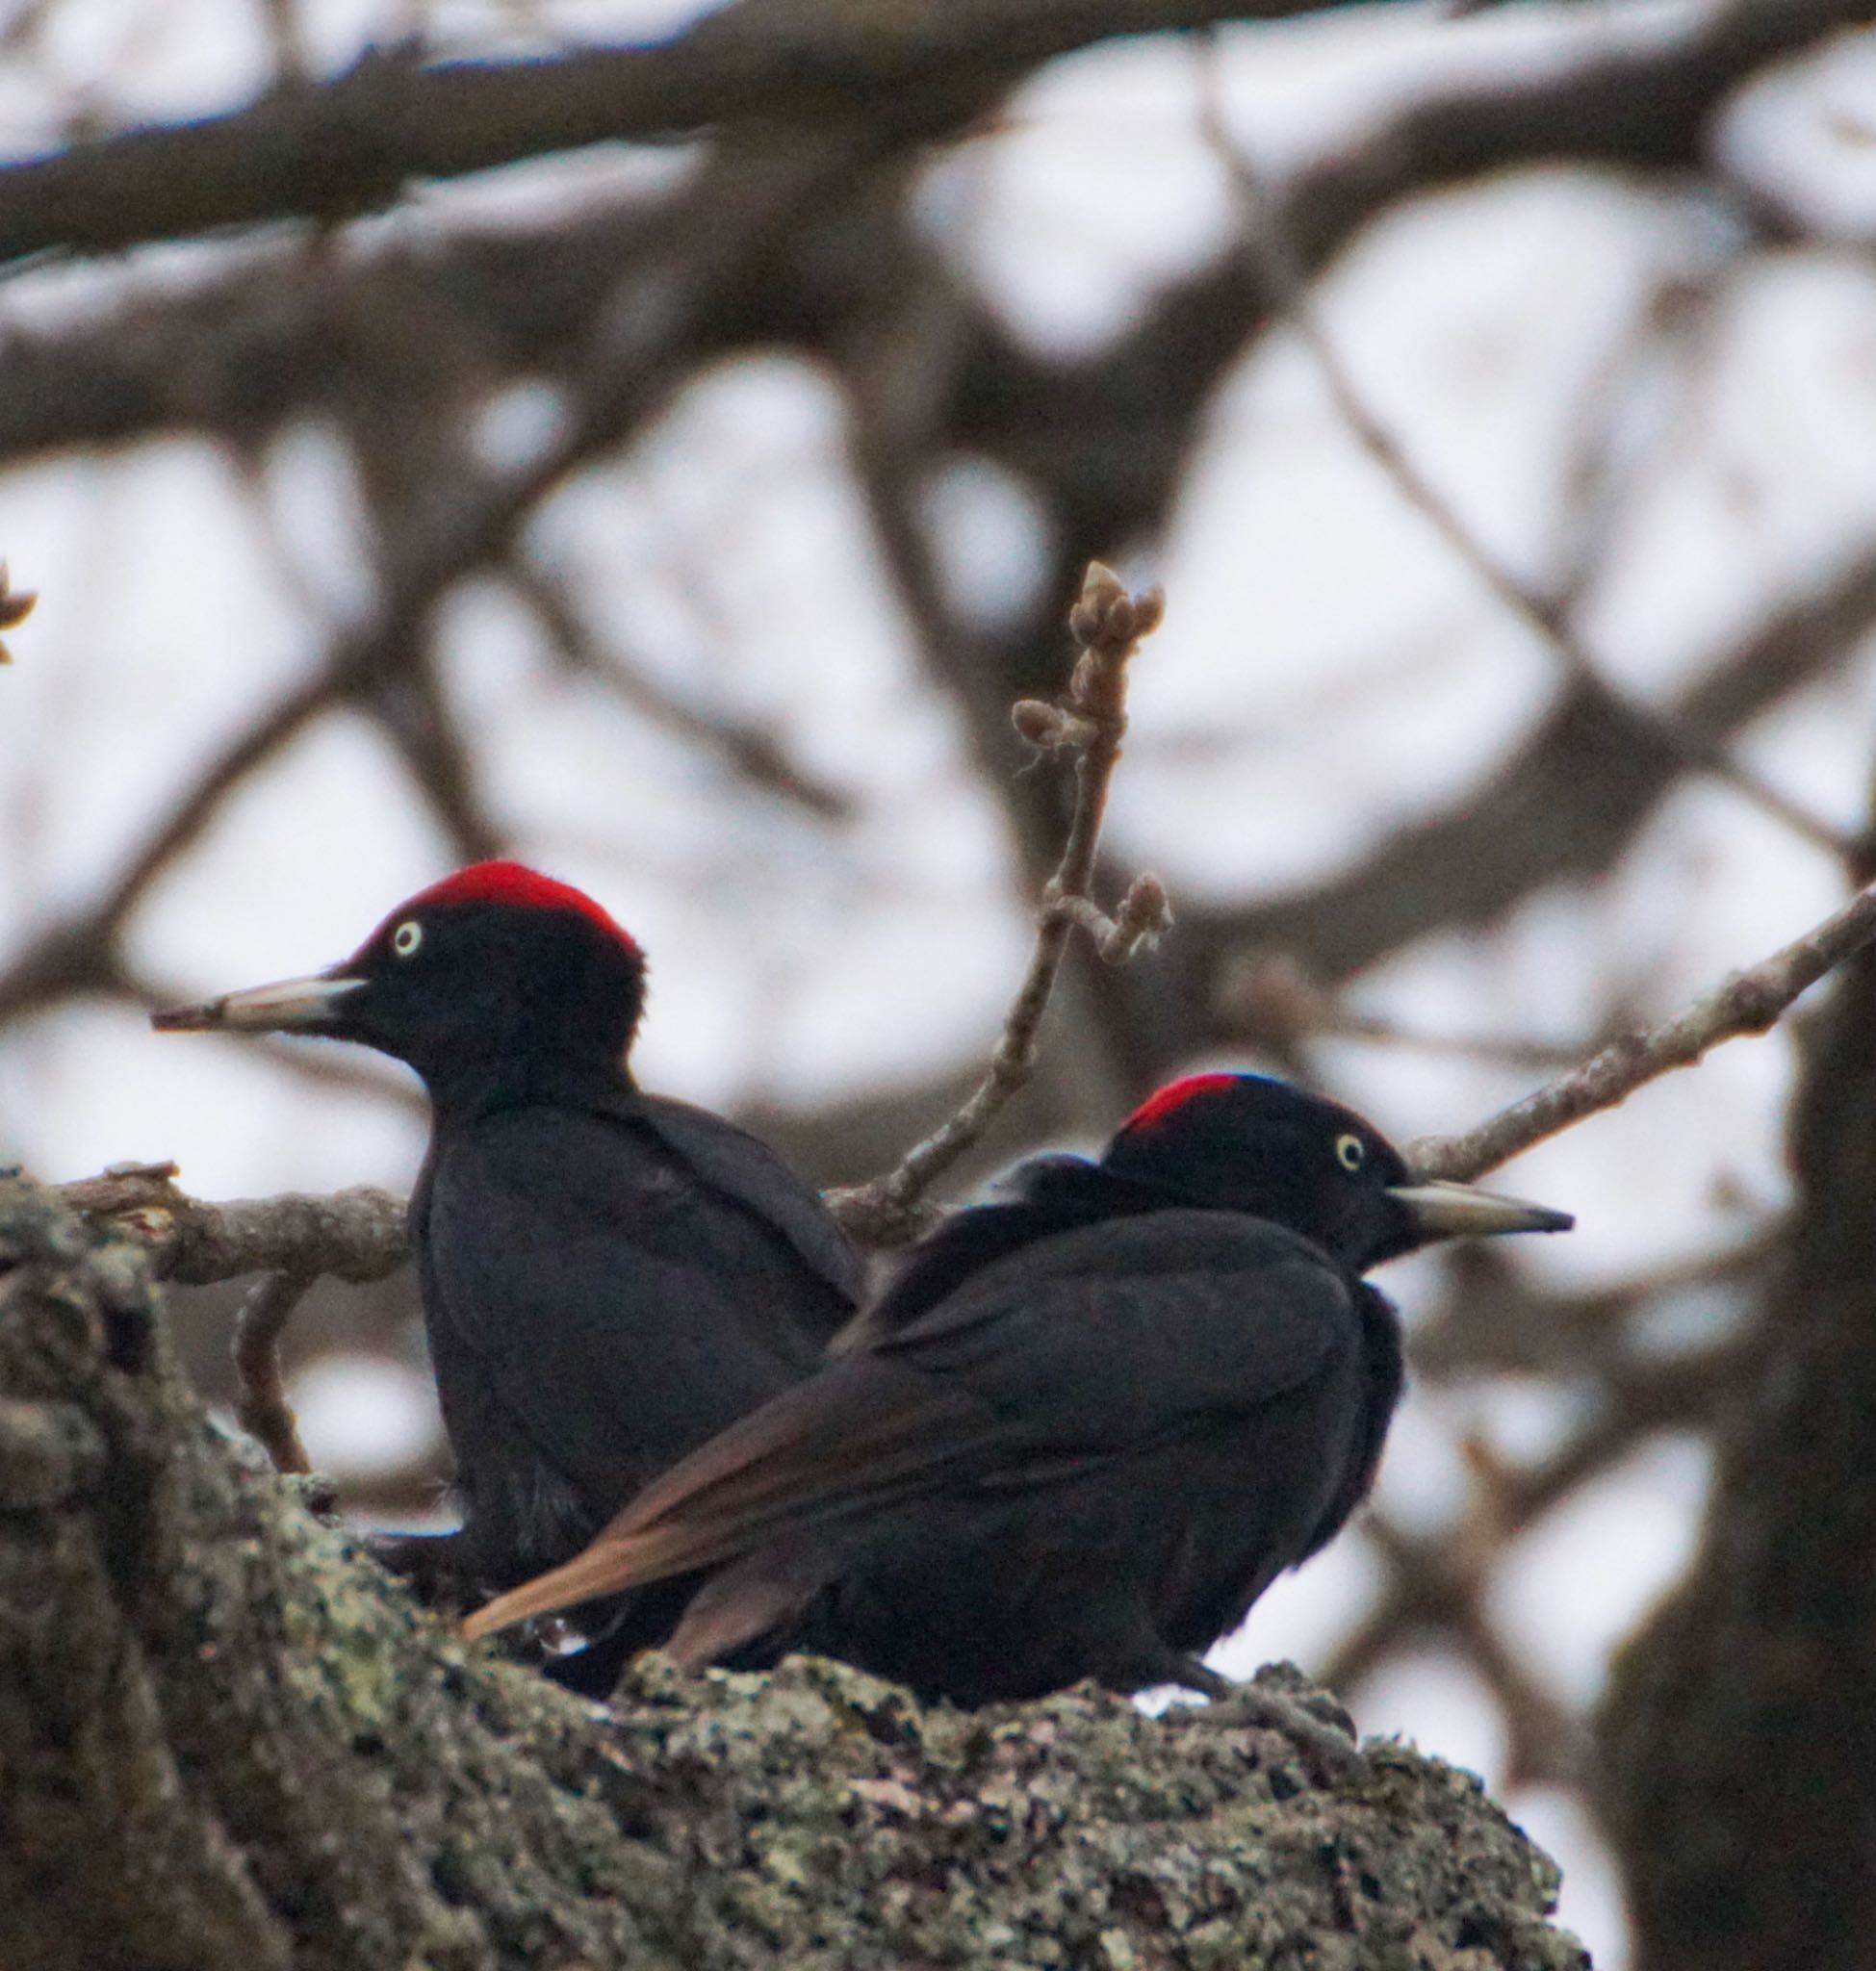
[1270,1000]
[1090,723]
[262,1406]
[1545,615]
[760,756]
[1750,1002]
[16,605]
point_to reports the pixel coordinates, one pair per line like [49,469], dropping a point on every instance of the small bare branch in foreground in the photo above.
[1749,1002]
[16,605]
[1089,722]
[262,1407]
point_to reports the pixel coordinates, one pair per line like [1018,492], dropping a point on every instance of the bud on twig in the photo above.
[1089,722]
[16,605]
[1143,918]
[1047,727]
[1106,620]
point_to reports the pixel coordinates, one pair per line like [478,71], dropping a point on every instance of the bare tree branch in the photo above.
[1088,725]
[262,1408]
[255,342]
[349,147]
[1547,615]
[16,605]
[355,1235]
[1750,1002]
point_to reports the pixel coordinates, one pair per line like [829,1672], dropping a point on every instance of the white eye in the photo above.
[407,936]
[1351,1152]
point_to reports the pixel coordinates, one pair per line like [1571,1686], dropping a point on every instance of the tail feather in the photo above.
[608,1566]
[744,1604]
[837,1444]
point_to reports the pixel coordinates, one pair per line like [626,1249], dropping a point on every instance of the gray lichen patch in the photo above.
[830,1821]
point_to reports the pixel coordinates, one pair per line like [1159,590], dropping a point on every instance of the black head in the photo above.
[1245,1142]
[480,978]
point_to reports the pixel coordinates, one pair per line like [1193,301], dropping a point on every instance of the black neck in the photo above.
[471,1085]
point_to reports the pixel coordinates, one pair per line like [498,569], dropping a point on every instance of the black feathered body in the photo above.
[608,1279]
[1124,1418]
[1084,1430]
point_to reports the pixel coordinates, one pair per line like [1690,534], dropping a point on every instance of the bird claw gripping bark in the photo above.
[1330,1757]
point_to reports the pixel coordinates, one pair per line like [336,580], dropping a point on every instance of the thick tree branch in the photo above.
[256,342]
[349,147]
[355,1235]
[341,148]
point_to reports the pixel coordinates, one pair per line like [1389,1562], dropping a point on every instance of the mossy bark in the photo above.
[228,1743]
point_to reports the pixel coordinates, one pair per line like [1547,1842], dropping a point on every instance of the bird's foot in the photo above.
[433,1566]
[1331,1755]
[593,1671]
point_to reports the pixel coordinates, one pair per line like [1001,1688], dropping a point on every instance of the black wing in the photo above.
[746,1171]
[1076,1351]
[1109,1337]
[596,1309]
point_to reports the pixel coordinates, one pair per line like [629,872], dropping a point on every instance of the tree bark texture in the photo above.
[228,1743]
[1740,1726]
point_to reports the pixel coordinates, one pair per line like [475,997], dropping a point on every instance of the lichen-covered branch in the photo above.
[355,1235]
[231,1743]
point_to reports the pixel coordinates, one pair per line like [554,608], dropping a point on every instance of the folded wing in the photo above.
[1076,1349]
